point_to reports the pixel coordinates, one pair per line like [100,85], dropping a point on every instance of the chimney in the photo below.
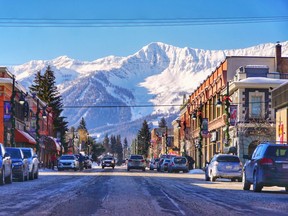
[278,56]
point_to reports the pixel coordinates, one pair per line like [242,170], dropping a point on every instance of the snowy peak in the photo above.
[157,74]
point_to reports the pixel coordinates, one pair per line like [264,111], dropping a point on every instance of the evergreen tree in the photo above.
[82,124]
[106,144]
[113,144]
[35,88]
[162,123]
[119,150]
[125,148]
[144,137]
[45,89]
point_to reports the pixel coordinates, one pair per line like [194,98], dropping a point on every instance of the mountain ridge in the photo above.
[130,89]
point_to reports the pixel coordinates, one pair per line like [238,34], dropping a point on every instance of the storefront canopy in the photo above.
[23,137]
[51,144]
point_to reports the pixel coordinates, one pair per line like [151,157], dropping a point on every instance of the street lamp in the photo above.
[199,146]
[226,99]
[12,102]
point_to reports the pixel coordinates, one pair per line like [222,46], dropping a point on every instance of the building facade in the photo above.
[241,86]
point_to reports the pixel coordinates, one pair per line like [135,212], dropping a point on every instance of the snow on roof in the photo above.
[256,66]
[263,80]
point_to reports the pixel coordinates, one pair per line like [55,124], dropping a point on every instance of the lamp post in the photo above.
[12,104]
[226,99]
[200,116]
[200,139]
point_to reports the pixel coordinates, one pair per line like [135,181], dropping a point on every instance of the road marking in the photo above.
[173,202]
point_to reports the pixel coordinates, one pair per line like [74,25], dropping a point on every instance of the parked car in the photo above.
[153,164]
[5,166]
[178,164]
[20,165]
[224,166]
[108,161]
[68,162]
[136,162]
[164,165]
[268,166]
[33,162]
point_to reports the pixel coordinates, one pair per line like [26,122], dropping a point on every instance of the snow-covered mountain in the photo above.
[115,94]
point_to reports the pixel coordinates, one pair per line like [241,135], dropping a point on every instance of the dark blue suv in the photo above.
[5,166]
[268,166]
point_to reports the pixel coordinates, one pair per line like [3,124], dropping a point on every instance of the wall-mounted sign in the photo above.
[7,110]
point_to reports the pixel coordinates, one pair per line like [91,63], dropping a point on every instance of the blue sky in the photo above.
[209,24]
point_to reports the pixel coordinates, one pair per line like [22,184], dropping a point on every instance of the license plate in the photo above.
[285,166]
[228,167]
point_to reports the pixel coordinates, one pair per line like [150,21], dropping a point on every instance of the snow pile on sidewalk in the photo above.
[196,171]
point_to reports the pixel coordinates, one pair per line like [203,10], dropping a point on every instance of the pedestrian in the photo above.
[190,162]
[81,161]
[53,161]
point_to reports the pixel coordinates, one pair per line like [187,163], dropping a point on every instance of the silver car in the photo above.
[136,162]
[224,166]
[68,162]
[178,164]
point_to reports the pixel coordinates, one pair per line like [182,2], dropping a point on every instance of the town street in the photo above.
[118,192]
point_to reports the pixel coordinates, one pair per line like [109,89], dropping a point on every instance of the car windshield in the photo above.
[67,157]
[180,160]
[14,153]
[27,153]
[277,151]
[228,159]
[137,157]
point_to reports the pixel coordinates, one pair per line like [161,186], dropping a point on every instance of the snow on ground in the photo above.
[196,171]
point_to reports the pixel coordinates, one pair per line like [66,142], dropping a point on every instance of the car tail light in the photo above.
[130,160]
[240,164]
[142,161]
[216,163]
[266,161]
[172,164]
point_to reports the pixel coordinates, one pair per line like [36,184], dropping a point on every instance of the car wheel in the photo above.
[233,179]
[256,186]
[36,174]
[9,178]
[32,174]
[2,177]
[27,176]
[212,178]
[286,189]
[22,176]
[143,169]
[113,167]
[128,169]
[207,178]
[245,183]
[102,167]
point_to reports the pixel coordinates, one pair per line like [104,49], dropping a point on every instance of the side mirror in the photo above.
[247,157]
[6,155]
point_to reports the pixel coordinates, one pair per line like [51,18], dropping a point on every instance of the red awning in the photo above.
[21,136]
[57,145]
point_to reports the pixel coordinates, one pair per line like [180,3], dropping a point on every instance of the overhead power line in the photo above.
[93,23]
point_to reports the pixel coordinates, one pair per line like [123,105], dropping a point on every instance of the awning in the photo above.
[23,137]
[51,143]
[57,145]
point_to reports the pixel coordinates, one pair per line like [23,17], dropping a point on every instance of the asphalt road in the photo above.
[118,192]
